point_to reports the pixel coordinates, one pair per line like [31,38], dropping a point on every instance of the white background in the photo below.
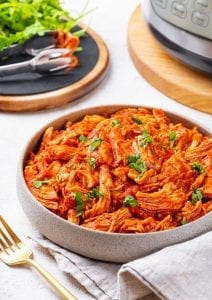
[122,85]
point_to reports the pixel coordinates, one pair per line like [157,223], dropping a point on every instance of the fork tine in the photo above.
[3,246]
[6,239]
[11,233]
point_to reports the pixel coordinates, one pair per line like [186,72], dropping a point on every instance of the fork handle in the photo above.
[63,292]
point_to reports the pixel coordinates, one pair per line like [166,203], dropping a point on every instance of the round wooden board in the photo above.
[162,71]
[63,95]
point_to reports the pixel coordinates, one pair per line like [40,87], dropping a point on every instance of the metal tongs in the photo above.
[45,62]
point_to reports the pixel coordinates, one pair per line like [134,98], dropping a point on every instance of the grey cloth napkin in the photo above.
[182,272]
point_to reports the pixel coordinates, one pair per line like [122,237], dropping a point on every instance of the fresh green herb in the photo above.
[79,203]
[92,162]
[183,222]
[79,34]
[144,139]
[139,176]
[95,144]
[137,120]
[94,193]
[139,166]
[78,49]
[136,163]
[20,20]
[196,196]
[197,167]
[130,201]
[82,138]
[115,122]
[133,158]
[39,183]
[172,138]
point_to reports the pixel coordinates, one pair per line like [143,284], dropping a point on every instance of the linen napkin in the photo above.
[182,271]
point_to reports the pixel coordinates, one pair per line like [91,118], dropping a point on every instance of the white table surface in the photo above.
[122,85]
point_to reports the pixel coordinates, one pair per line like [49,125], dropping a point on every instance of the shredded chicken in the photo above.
[133,171]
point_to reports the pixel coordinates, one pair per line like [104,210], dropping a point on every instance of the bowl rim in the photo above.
[31,143]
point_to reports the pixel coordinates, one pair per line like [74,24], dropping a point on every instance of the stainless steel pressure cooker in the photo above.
[184,29]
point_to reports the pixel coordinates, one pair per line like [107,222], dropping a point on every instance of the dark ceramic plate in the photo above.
[33,83]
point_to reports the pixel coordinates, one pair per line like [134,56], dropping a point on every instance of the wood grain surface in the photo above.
[64,95]
[171,77]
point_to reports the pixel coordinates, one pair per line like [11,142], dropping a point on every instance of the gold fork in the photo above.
[14,252]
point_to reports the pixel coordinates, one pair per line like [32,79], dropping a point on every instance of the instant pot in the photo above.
[183,28]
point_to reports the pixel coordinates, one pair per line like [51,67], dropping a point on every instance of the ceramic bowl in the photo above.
[113,247]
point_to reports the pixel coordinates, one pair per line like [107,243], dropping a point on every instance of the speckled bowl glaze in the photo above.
[113,247]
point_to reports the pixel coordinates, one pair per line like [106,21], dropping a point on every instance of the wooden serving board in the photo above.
[166,74]
[61,96]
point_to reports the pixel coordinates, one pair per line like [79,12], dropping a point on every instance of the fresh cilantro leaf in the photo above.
[136,163]
[139,166]
[133,158]
[94,193]
[79,203]
[39,183]
[183,222]
[197,167]
[196,196]
[137,120]
[144,139]
[95,144]
[92,162]
[172,138]
[82,138]
[115,122]
[130,201]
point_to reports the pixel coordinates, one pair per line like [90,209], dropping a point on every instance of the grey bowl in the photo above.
[113,247]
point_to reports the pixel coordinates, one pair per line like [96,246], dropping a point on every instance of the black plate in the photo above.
[33,83]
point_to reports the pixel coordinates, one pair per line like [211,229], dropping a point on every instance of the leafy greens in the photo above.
[20,20]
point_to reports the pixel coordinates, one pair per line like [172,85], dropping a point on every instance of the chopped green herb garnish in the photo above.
[137,120]
[136,163]
[139,166]
[130,201]
[78,49]
[133,158]
[79,203]
[144,139]
[197,167]
[139,176]
[82,138]
[196,196]
[92,162]
[183,222]
[94,193]
[95,144]
[172,138]
[115,122]
[39,183]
